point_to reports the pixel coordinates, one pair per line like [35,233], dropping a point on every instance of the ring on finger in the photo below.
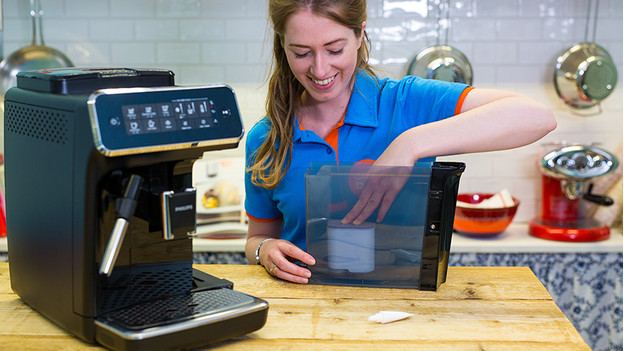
[272,268]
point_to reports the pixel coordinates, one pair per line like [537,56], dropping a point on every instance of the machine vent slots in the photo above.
[42,124]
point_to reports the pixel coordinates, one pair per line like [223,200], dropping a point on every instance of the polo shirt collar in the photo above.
[363,105]
[361,109]
[304,135]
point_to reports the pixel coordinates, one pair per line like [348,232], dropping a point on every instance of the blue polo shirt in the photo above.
[379,110]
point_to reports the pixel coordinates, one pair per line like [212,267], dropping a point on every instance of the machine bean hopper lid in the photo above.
[74,80]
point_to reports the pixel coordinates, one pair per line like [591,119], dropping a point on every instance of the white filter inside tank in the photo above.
[351,247]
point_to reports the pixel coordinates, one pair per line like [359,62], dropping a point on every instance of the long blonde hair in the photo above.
[272,159]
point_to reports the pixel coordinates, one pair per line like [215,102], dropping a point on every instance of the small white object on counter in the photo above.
[389,316]
[501,199]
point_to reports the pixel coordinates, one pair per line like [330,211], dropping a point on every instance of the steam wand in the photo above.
[124,210]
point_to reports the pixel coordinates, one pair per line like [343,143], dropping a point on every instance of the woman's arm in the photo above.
[256,233]
[489,120]
[276,254]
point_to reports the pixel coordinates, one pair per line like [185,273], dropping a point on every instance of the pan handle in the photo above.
[36,13]
[591,111]
[1,30]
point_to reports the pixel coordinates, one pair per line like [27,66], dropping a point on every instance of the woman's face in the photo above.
[322,55]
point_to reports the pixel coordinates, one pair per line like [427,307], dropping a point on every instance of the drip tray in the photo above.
[185,321]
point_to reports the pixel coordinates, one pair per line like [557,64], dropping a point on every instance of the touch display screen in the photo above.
[148,119]
[166,117]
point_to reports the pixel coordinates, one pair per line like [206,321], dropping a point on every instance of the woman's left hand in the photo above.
[382,186]
[384,180]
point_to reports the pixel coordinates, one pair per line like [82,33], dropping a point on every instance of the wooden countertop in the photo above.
[478,308]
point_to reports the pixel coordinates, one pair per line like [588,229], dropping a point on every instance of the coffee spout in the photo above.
[178,213]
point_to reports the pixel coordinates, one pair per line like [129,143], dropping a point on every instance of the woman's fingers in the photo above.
[359,205]
[286,273]
[379,192]
[387,201]
[279,262]
[377,189]
[370,205]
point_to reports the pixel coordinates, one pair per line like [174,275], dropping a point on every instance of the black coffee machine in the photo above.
[100,205]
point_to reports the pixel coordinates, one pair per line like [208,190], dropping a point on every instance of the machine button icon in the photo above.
[114,121]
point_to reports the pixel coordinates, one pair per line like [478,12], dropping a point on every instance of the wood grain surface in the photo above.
[478,308]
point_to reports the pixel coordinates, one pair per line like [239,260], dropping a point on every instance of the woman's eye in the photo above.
[336,52]
[300,55]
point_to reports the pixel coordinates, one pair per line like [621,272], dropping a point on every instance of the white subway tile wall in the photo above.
[510,41]
[511,44]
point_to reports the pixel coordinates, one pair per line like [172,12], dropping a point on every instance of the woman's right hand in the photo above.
[277,257]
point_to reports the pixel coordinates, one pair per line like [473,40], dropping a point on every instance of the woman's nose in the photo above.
[320,67]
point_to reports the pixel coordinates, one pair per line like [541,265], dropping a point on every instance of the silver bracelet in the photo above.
[257,256]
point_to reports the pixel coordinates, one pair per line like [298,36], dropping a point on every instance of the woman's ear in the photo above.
[362,33]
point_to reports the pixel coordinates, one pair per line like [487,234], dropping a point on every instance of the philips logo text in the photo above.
[183,208]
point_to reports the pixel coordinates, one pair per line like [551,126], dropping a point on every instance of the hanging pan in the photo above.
[32,57]
[585,74]
[441,62]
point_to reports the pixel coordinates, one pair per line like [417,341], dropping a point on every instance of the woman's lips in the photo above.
[323,84]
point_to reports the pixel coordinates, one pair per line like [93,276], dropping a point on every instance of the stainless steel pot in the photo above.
[441,62]
[584,75]
[33,57]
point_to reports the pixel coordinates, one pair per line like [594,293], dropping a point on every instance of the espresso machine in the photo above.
[567,174]
[100,206]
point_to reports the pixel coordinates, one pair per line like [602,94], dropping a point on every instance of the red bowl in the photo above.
[482,222]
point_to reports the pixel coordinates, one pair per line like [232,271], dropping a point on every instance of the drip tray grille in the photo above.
[177,309]
[181,322]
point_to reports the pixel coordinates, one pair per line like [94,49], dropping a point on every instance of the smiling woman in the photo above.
[325,104]
[322,56]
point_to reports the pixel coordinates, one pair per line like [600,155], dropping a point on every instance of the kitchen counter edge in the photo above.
[516,239]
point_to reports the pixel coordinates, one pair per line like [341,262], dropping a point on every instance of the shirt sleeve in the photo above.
[429,100]
[259,201]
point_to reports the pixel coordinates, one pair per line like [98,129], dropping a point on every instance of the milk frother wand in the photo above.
[124,210]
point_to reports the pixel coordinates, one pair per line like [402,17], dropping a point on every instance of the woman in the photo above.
[325,104]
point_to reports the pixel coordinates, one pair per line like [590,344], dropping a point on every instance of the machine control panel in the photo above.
[138,120]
